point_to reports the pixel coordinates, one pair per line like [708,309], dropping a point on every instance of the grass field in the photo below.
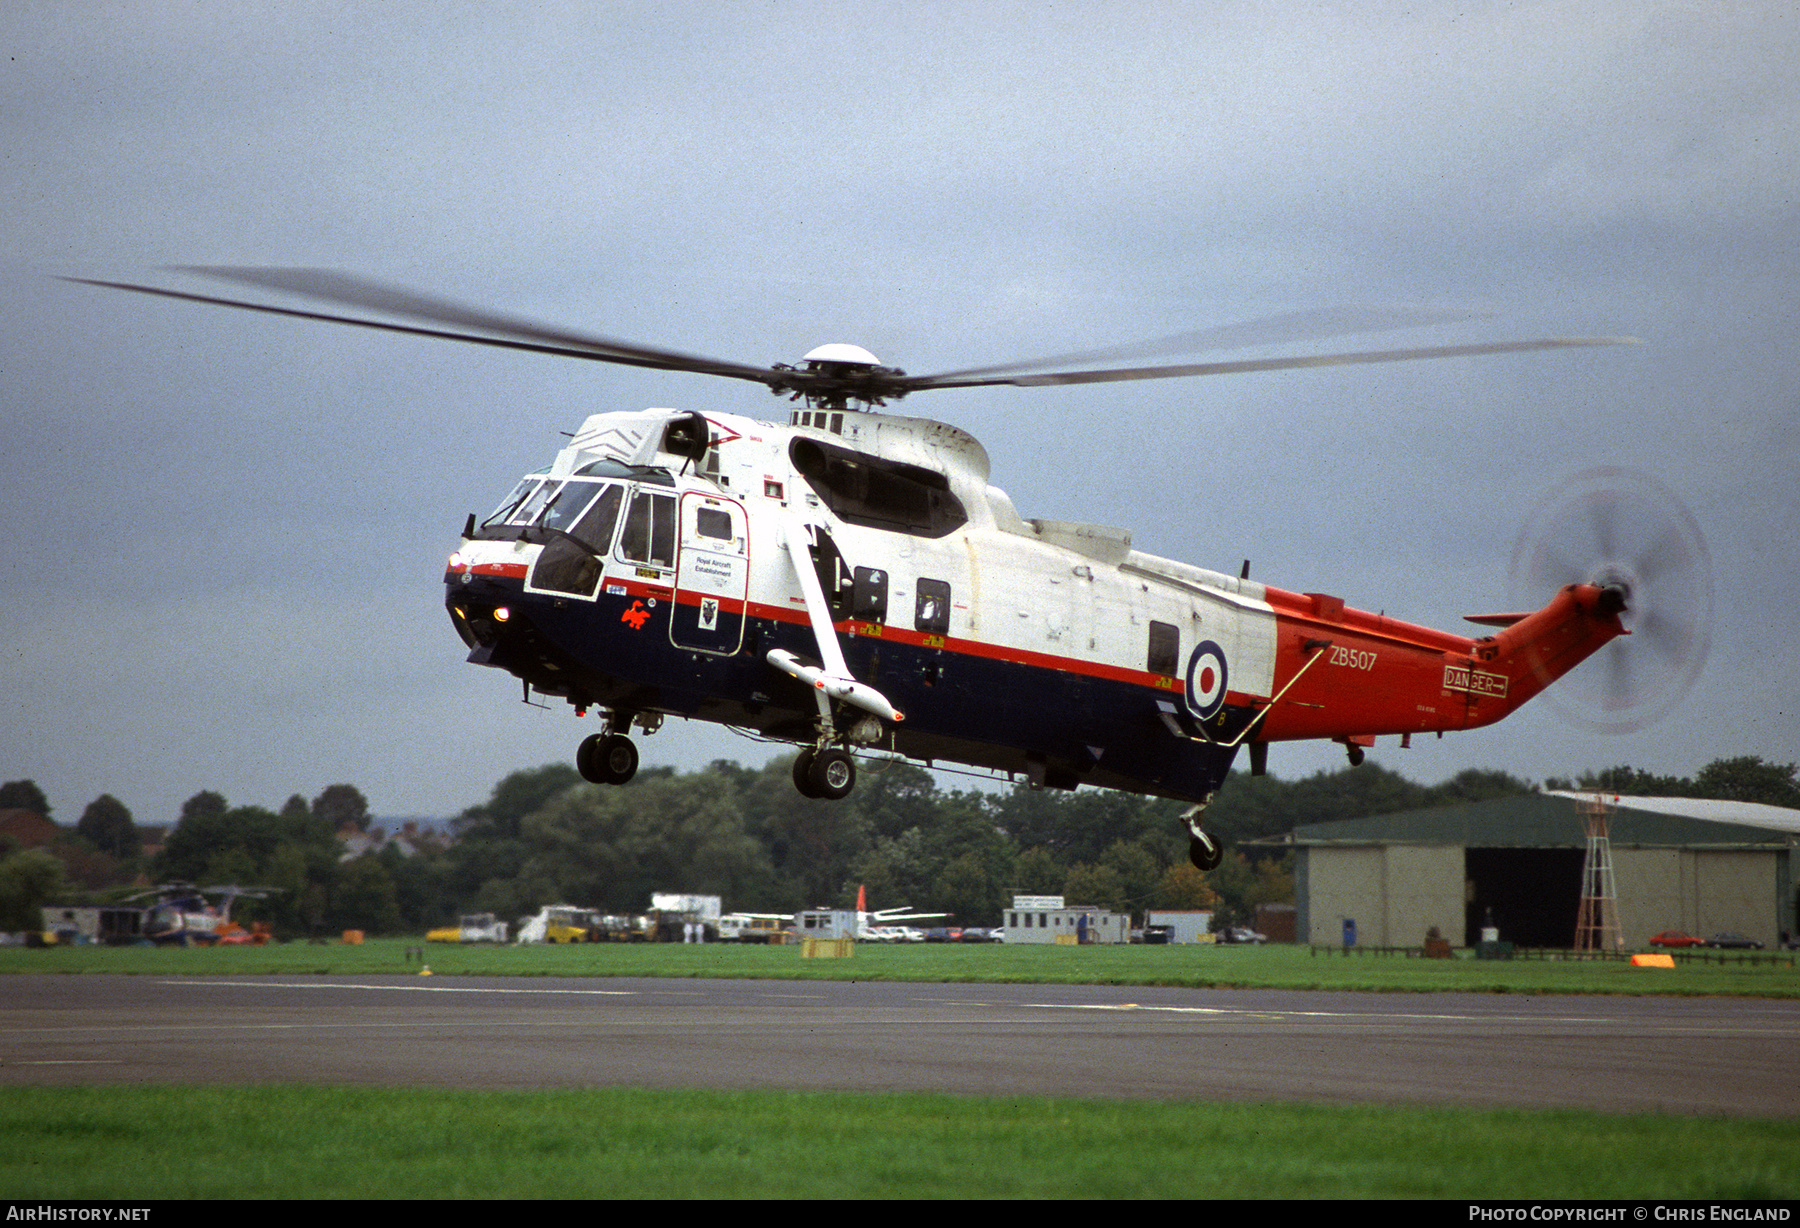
[1270,967]
[139,1143]
[145,1142]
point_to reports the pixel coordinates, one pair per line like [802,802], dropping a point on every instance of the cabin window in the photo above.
[877,493]
[868,598]
[931,607]
[713,522]
[649,533]
[1165,649]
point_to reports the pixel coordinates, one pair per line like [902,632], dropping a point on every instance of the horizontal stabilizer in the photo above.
[1495,620]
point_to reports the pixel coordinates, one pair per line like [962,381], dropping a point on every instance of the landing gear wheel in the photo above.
[803,772]
[1205,852]
[832,774]
[607,758]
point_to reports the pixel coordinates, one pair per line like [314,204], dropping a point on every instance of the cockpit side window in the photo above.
[595,529]
[649,533]
[566,505]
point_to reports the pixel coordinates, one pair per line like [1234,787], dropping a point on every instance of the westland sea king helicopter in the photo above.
[850,581]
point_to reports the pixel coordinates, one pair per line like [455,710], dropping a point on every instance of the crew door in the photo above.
[712,577]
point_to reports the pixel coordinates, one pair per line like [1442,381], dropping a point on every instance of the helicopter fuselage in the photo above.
[659,567]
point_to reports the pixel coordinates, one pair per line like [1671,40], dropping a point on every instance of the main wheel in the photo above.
[1205,852]
[832,774]
[803,772]
[607,758]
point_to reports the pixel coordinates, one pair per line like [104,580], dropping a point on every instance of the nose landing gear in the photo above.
[611,758]
[607,758]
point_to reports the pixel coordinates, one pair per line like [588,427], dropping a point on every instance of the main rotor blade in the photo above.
[512,333]
[1284,329]
[950,380]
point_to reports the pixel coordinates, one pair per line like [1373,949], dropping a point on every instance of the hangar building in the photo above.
[1679,863]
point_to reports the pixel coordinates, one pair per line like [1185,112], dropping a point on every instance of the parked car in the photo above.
[1242,934]
[1675,938]
[1734,942]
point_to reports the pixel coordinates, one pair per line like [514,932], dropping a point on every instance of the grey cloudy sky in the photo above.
[227,532]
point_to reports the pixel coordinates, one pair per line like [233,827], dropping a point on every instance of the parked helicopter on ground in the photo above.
[850,581]
[179,914]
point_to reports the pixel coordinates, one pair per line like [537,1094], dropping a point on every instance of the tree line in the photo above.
[545,836]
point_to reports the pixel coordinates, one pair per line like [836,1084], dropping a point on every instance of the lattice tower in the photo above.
[1597,923]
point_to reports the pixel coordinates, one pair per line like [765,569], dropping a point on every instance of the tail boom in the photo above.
[1349,675]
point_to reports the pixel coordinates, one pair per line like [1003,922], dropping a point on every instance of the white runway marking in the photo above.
[598,993]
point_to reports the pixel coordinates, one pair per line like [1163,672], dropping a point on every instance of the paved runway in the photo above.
[1699,1056]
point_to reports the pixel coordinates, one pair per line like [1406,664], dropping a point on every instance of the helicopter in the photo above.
[850,581]
[180,914]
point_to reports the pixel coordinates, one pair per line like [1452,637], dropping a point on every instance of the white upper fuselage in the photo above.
[1059,592]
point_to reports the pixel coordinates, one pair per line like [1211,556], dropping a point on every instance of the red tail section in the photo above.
[1347,674]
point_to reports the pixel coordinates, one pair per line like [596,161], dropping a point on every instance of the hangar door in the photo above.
[1534,894]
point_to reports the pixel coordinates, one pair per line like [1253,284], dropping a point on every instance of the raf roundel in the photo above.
[1206,680]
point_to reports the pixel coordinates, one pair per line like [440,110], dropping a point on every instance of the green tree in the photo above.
[297,851]
[1100,886]
[421,886]
[613,847]
[1242,884]
[1478,785]
[24,795]
[812,846]
[28,881]
[203,804]
[341,806]
[1184,888]
[365,898]
[1748,779]
[1039,873]
[1626,780]
[107,825]
[487,859]
[1140,870]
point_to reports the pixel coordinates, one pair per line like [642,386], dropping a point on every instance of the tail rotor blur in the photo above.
[1622,529]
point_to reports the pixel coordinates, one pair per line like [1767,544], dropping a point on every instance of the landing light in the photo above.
[501,614]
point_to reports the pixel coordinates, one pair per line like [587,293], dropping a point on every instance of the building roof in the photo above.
[29,828]
[1712,810]
[1554,820]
